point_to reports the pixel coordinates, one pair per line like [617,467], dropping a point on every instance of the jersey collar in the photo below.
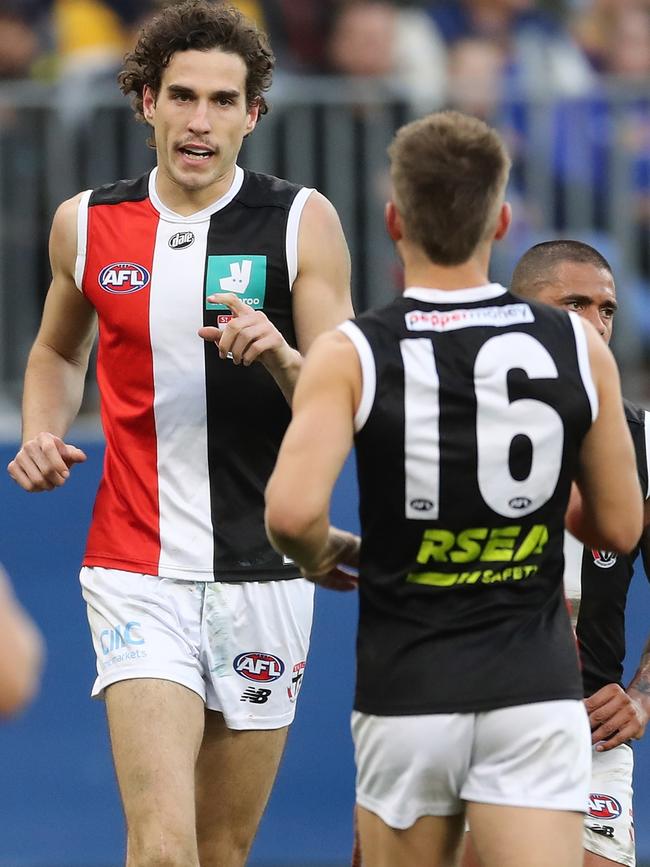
[453,296]
[167,214]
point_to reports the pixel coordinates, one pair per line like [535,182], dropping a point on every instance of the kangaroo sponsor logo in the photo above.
[123,278]
[259,667]
[244,276]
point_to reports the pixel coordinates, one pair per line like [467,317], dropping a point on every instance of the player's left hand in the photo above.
[248,337]
[615,717]
[340,555]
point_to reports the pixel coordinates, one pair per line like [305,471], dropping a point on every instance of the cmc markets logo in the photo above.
[259,667]
[123,278]
[123,635]
[604,806]
[603,559]
[181,240]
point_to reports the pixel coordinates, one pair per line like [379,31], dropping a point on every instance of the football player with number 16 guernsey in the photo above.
[471,412]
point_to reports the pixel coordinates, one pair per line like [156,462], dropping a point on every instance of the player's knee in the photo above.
[165,851]
[230,848]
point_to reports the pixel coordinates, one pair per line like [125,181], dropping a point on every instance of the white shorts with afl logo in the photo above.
[241,647]
[609,823]
[532,755]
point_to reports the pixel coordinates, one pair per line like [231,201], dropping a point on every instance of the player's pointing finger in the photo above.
[234,304]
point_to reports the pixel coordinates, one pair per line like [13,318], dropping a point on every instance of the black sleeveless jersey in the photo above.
[605,579]
[191,439]
[473,410]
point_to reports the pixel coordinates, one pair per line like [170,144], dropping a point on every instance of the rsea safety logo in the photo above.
[259,667]
[123,278]
[244,276]
[604,806]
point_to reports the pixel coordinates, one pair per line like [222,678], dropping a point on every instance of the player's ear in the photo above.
[393,221]
[503,221]
[148,104]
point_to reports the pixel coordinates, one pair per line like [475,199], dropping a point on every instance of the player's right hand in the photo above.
[43,463]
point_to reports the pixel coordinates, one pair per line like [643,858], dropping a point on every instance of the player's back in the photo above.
[473,409]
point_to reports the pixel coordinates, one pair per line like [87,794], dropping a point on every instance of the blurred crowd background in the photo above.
[568,83]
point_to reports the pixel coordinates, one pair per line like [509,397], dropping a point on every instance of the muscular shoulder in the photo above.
[63,235]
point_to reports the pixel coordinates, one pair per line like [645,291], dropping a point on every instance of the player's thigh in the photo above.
[411,766]
[609,826]
[156,728]
[525,837]
[433,841]
[235,772]
[535,755]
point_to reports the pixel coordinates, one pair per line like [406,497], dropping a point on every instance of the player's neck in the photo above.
[420,271]
[186,201]
[432,276]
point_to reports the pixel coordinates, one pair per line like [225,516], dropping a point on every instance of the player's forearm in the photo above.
[285,371]
[53,392]
[639,688]
[21,657]
[303,540]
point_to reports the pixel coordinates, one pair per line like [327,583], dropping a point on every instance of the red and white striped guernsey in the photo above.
[191,439]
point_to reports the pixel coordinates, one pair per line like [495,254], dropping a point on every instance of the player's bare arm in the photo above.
[313,451]
[320,297]
[56,367]
[21,652]
[321,291]
[611,513]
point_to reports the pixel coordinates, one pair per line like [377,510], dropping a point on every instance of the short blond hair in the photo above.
[449,173]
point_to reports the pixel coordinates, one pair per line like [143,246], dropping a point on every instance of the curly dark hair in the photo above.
[197,25]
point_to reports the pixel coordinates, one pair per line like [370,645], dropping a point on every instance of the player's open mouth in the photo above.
[197,154]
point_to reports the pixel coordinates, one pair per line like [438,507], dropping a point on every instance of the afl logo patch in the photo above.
[603,559]
[123,278]
[604,806]
[181,240]
[259,667]
[421,505]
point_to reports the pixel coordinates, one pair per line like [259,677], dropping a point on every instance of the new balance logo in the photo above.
[255,696]
[240,277]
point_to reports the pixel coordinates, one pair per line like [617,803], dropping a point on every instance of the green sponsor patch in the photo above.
[243,276]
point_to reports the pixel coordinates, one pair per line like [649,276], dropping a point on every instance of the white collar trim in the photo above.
[167,214]
[453,296]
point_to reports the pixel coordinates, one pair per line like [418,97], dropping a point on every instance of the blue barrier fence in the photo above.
[58,799]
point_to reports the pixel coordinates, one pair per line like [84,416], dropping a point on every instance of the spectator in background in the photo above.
[18,46]
[541,54]
[21,652]
[379,39]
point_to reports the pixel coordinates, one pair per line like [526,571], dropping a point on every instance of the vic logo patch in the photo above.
[259,667]
[604,806]
[244,276]
[123,278]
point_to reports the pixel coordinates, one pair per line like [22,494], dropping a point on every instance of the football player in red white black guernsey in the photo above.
[207,282]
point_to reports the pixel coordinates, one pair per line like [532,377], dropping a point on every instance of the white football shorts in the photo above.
[609,822]
[532,755]
[241,647]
